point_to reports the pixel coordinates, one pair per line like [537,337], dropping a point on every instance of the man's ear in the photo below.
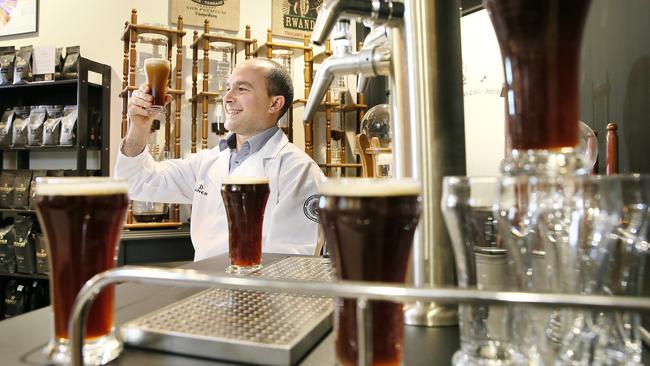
[277,102]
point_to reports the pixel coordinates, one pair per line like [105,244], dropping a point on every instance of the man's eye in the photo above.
[242,89]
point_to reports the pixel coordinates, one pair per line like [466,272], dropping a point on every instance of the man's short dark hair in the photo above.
[278,82]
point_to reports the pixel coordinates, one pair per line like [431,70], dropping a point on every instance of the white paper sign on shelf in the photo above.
[43,60]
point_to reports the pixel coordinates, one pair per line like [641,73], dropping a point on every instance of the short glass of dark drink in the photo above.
[157,71]
[369,226]
[245,201]
[82,218]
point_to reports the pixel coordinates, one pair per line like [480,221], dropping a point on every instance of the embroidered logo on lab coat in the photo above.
[200,191]
[310,208]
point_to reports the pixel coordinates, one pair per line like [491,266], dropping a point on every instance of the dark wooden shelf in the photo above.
[46,84]
[17,210]
[32,276]
[47,148]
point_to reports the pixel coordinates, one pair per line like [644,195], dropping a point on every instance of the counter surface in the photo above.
[22,338]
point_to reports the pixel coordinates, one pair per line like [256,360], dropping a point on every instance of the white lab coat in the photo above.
[289,222]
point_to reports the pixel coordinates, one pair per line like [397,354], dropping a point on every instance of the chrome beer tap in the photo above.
[423,62]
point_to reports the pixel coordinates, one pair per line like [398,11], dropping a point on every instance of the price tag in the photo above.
[43,60]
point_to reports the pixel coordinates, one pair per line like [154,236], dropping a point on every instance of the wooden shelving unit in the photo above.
[175,87]
[205,97]
[297,49]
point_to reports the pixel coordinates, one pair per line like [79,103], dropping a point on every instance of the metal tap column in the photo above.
[432,32]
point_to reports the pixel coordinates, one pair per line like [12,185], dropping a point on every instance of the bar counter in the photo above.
[22,338]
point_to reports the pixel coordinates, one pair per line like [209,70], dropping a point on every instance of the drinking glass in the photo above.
[481,263]
[82,219]
[245,200]
[577,235]
[153,65]
[540,47]
[369,224]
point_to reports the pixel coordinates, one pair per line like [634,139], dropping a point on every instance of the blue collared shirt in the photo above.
[250,147]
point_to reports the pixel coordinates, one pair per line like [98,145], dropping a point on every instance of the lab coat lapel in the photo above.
[220,168]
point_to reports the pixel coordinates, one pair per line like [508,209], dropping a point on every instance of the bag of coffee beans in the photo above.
[52,125]
[32,191]
[23,66]
[68,126]
[7,58]
[7,181]
[16,298]
[24,244]
[20,127]
[5,127]
[7,254]
[41,253]
[40,296]
[22,187]
[35,123]
[70,65]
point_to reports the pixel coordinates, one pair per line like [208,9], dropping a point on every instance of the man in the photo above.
[259,91]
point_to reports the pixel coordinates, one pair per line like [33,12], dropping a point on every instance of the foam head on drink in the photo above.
[370,224]
[82,219]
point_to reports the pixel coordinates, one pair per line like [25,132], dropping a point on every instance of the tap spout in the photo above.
[378,36]
[332,10]
[370,62]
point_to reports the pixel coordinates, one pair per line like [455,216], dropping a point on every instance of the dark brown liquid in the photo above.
[157,78]
[540,45]
[83,234]
[245,204]
[371,238]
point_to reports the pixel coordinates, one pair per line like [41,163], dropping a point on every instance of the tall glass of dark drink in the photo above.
[245,201]
[82,219]
[540,46]
[157,71]
[369,225]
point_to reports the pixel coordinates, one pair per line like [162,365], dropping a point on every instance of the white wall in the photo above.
[97,25]
[484,108]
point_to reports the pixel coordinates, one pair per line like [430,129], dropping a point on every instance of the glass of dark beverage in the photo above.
[82,219]
[540,46]
[157,71]
[245,201]
[369,224]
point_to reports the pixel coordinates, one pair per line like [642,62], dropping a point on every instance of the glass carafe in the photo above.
[148,211]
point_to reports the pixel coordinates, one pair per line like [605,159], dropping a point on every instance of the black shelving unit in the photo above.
[86,95]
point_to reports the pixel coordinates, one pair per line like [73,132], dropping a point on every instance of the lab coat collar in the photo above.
[270,150]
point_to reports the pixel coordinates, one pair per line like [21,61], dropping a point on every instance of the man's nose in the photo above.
[228,96]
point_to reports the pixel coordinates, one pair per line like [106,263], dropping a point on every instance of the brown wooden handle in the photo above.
[611,163]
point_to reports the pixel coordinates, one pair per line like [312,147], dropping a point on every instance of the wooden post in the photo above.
[204,100]
[247,35]
[195,74]
[125,81]
[611,166]
[307,73]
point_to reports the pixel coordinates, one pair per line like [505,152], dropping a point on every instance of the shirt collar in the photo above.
[255,143]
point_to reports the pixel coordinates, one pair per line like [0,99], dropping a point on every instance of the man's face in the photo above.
[247,104]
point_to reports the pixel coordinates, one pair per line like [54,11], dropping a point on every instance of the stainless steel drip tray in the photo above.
[243,326]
